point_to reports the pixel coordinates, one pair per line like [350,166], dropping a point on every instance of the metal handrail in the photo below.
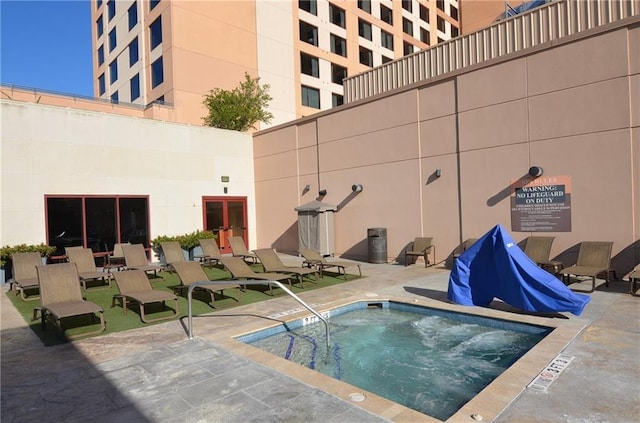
[253,282]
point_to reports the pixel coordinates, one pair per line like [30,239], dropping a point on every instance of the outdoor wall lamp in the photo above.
[536,171]
[356,188]
[322,192]
[438,173]
[306,189]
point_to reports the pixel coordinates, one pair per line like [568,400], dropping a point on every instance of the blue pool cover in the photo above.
[495,267]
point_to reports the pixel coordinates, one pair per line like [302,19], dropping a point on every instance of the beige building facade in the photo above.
[173,52]
[440,158]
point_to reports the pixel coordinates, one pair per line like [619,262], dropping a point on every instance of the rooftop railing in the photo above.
[547,23]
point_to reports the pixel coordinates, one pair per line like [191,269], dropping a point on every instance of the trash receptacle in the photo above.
[377,242]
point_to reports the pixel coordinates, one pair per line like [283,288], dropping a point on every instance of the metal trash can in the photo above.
[377,243]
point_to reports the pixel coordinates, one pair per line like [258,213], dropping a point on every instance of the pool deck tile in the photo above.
[156,374]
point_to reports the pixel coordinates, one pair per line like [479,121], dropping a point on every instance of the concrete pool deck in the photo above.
[156,374]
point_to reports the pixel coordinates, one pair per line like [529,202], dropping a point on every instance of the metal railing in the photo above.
[253,282]
[547,23]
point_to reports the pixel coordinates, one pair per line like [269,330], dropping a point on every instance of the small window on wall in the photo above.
[407,5]
[338,74]
[366,56]
[133,52]
[115,98]
[407,26]
[386,14]
[440,4]
[454,31]
[337,16]
[338,45]
[364,5]
[309,65]
[153,3]
[111,7]
[156,32]
[308,33]
[100,55]
[386,59]
[113,71]
[364,29]
[310,97]
[336,100]
[387,40]
[133,15]
[308,6]
[424,13]
[454,12]
[112,40]
[93,222]
[134,85]
[425,36]
[100,26]
[407,48]
[157,73]
[101,85]
[441,24]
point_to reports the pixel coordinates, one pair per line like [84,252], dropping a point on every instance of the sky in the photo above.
[46,44]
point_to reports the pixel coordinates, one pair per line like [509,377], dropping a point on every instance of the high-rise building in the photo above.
[175,51]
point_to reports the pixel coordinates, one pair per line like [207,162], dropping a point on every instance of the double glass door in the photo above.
[225,217]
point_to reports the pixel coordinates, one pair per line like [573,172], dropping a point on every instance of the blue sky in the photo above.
[46,44]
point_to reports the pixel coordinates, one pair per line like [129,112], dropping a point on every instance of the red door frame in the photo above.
[224,248]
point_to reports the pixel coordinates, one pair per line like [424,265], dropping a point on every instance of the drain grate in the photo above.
[551,372]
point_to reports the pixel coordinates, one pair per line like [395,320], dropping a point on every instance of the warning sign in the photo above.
[541,204]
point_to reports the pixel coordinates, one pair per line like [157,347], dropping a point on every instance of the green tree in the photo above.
[239,109]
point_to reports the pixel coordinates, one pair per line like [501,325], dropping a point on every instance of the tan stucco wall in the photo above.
[47,150]
[570,108]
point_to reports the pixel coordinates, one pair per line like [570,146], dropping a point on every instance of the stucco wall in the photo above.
[571,108]
[54,150]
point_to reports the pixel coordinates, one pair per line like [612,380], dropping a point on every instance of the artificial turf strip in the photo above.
[117,322]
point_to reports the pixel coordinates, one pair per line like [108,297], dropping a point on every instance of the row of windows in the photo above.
[310,65]
[311,98]
[157,78]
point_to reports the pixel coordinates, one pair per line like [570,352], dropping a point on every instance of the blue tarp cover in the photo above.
[495,267]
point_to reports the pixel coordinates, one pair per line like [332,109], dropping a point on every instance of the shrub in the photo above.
[187,241]
[7,251]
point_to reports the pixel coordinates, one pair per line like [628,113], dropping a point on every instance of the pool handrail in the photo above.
[253,282]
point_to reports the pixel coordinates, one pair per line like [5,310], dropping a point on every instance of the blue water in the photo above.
[431,363]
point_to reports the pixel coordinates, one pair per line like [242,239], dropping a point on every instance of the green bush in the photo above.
[7,251]
[187,241]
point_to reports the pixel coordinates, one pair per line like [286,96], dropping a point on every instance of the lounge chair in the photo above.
[25,276]
[271,263]
[172,253]
[210,252]
[634,278]
[420,247]
[136,259]
[239,249]
[240,270]
[190,272]
[314,259]
[115,260]
[538,248]
[86,265]
[61,297]
[594,258]
[134,285]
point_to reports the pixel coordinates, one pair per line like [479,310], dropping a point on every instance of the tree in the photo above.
[239,109]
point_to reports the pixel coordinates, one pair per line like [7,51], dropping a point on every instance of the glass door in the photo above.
[225,217]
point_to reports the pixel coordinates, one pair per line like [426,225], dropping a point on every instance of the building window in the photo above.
[407,5]
[364,29]
[101,85]
[112,40]
[114,97]
[336,100]
[310,97]
[407,48]
[308,33]
[366,56]
[454,12]
[425,37]
[440,4]
[424,13]
[308,6]
[159,100]
[387,40]
[133,52]
[113,71]
[157,73]
[111,8]
[91,222]
[441,24]
[156,32]
[364,5]
[440,40]
[338,74]
[337,16]
[100,26]
[386,59]
[407,26]
[134,84]
[133,15]
[454,31]
[309,65]
[153,3]
[98,4]
[338,45]
[100,55]
[386,14]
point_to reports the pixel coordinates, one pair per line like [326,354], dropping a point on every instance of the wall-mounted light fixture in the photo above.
[322,192]
[356,188]
[306,189]
[224,179]
[535,171]
[438,173]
